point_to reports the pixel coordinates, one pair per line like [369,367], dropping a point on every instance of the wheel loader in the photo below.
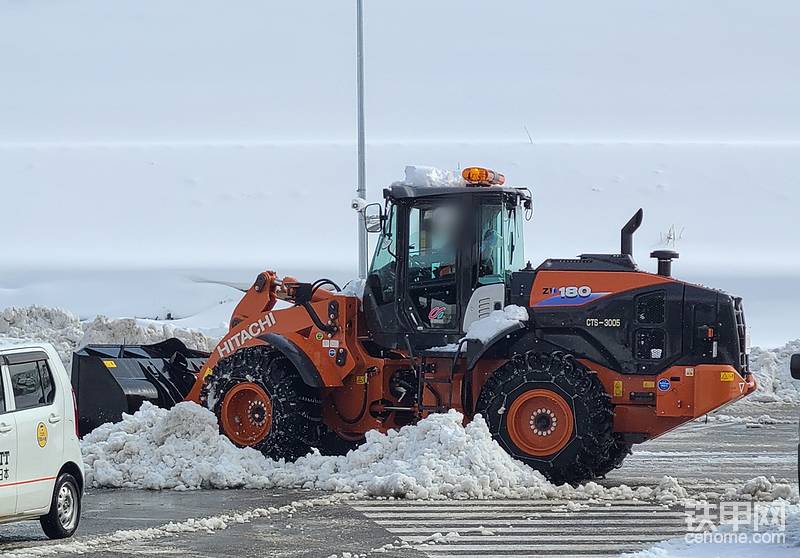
[570,363]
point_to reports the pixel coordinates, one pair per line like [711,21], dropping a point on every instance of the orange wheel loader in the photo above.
[603,356]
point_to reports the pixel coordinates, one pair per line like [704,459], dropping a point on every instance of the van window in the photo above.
[32,384]
[2,396]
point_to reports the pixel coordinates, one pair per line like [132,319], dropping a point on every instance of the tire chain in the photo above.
[600,449]
[296,409]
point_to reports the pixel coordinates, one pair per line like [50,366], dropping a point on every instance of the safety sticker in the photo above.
[110,363]
[689,372]
[331,353]
[726,376]
[663,384]
[361,379]
[207,373]
[326,343]
[41,434]
[319,336]
[648,384]
[617,388]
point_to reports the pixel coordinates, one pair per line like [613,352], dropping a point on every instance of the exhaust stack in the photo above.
[630,227]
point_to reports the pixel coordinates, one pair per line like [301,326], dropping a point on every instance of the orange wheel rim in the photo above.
[540,422]
[246,414]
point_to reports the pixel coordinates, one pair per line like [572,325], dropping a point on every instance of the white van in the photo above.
[41,470]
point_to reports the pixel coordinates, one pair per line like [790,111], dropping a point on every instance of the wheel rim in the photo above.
[540,422]
[246,414]
[67,506]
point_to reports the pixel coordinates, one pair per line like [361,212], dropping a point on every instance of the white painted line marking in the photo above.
[509,503]
[498,530]
[521,514]
[568,522]
[443,548]
[455,542]
[450,509]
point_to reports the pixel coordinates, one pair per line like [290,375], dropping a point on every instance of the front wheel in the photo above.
[552,413]
[261,402]
[65,509]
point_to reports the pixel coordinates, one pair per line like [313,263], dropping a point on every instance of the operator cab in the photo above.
[444,258]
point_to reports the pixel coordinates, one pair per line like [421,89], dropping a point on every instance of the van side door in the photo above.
[8,449]
[40,414]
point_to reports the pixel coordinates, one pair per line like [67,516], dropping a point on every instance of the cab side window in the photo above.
[491,268]
[32,384]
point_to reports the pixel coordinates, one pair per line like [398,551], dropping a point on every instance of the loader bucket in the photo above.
[109,380]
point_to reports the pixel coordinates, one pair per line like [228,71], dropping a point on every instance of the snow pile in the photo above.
[499,320]
[431,177]
[435,459]
[180,448]
[130,331]
[765,489]
[66,332]
[771,367]
[39,323]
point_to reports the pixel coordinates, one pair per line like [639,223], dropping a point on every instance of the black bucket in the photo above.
[113,379]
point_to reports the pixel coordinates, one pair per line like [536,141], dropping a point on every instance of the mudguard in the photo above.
[477,348]
[308,372]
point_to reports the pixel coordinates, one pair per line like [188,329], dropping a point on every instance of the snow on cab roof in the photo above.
[423,181]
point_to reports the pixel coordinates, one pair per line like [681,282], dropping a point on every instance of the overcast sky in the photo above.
[200,70]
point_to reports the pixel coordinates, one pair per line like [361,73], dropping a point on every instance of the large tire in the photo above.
[65,509]
[331,443]
[552,413]
[616,454]
[261,402]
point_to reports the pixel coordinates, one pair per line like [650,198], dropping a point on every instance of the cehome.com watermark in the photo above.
[735,523]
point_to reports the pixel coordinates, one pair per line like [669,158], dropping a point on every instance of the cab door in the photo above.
[8,450]
[40,415]
[434,239]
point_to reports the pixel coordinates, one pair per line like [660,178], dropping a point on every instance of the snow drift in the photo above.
[66,333]
[771,367]
[435,459]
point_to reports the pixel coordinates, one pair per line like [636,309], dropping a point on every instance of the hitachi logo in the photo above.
[236,341]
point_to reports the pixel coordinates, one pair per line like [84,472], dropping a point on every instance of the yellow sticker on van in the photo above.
[41,434]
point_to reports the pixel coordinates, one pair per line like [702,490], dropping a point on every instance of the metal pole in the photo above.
[362,170]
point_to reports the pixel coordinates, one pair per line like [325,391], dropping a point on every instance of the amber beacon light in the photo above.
[478,176]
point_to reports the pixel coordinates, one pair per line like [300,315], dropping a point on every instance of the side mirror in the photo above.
[373,218]
[794,366]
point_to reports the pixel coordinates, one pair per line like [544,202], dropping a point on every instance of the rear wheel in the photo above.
[552,413]
[65,509]
[261,402]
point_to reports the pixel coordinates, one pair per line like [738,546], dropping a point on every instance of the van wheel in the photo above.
[65,509]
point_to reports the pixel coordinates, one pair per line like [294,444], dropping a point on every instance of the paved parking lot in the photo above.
[705,457]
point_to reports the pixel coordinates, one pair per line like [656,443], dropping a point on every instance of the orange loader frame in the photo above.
[329,354]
